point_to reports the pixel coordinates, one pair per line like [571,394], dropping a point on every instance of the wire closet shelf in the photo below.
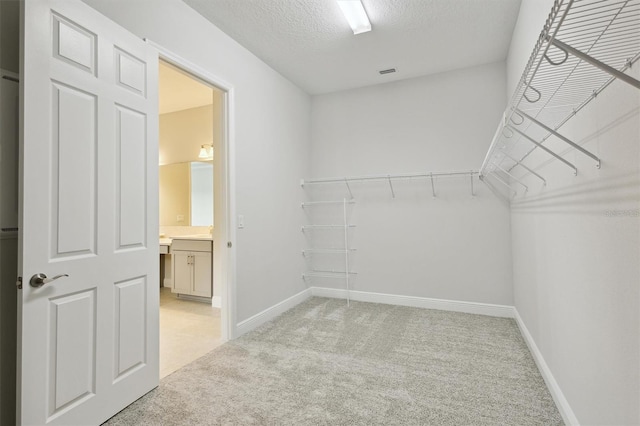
[584,46]
[389,179]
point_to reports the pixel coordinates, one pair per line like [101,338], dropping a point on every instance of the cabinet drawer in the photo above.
[191,245]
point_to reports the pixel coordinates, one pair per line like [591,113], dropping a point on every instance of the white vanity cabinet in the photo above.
[192,267]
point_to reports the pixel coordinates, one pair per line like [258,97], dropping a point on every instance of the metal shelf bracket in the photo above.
[519,163]
[346,182]
[596,63]
[547,150]
[561,137]
[393,194]
[433,187]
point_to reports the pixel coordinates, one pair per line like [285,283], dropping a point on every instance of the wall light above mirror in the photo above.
[206,152]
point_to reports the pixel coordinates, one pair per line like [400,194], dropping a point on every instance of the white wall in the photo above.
[271,144]
[531,19]
[452,247]
[576,248]
[175,195]
[182,133]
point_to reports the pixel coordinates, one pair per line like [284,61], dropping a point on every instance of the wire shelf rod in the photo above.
[388,177]
[327,226]
[322,203]
[330,271]
[321,275]
[330,251]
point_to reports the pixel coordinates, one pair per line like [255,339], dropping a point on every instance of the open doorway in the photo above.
[191,135]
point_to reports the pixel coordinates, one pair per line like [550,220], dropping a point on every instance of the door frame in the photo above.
[226,226]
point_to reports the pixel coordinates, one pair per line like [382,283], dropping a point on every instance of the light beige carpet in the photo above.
[322,363]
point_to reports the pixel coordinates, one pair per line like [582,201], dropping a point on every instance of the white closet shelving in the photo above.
[584,46]
[346,251]
[339,254]
[388,179]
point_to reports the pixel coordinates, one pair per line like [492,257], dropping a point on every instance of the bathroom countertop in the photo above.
[203,237]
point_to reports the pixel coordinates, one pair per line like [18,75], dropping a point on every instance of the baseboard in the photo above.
[216,302]
[561,402]
[503,311]
[191,298]
[270,313]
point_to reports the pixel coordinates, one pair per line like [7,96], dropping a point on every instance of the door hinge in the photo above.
[229,244]
[19,283]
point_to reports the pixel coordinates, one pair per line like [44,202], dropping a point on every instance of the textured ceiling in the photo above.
[178,91]
[310,42]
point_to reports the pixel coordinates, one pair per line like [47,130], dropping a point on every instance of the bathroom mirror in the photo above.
[186,194]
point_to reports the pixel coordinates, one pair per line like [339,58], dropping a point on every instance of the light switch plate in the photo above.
[240,221]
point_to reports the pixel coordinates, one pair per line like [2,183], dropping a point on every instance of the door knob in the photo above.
[38,280]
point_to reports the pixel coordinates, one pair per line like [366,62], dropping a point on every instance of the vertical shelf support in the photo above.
[471,180]
[346,248]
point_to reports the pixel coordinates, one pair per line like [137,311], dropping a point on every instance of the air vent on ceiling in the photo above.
[389,71]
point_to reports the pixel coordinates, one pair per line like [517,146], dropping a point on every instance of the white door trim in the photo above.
[228,288]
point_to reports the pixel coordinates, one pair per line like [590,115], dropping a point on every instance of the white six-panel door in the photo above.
[89,209]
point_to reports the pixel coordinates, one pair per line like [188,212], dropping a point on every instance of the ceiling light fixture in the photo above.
[206,152]
[357,17]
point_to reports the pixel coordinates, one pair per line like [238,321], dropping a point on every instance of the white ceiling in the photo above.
[310,42]
[178,91]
